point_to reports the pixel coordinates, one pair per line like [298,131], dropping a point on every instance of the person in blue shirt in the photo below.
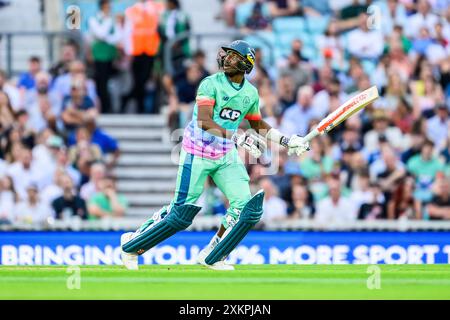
[27,79]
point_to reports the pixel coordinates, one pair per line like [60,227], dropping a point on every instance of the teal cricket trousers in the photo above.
[228,173]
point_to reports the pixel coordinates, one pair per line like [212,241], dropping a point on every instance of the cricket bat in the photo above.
[344,112]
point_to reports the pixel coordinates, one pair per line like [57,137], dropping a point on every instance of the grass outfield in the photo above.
[246,282]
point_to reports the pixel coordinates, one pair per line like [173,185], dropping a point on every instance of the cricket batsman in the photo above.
[209,145]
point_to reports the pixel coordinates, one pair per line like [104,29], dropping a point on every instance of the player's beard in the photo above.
[231,69]
[231,72]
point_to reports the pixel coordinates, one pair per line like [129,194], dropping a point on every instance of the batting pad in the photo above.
[250,215]
[179,218]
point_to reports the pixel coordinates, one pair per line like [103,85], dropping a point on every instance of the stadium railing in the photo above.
[206,223]
[195,38]
[51,47]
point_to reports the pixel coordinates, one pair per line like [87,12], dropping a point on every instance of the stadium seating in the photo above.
[244,11]
[316,25]
[288,24]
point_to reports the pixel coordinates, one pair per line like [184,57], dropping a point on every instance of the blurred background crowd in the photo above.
[391,161]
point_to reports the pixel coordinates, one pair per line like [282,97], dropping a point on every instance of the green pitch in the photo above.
[246,282]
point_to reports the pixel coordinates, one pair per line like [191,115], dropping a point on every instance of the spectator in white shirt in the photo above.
[3,166]
[32,211]
[63,162]
[8,200]
[365,43]
[42,151]
[53,190]
[423,17]
[382,129]
[12,92]
[275,208]
[24,172]
[387,169]
[97,173]
[438,126]
[392,13]
[328,100]
[296,118]
[43,105]
[363,191]
[63,83]
[335,208]
[330,43]
[45,155]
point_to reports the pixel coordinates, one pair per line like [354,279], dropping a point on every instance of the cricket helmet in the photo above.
[243,50]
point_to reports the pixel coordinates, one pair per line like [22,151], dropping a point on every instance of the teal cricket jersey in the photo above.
[232,103]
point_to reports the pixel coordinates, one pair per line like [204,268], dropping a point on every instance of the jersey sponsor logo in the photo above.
[226,98]
[230,114]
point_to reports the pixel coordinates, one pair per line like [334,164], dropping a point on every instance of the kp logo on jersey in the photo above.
[230,114]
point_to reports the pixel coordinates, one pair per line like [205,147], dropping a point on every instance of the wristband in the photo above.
[276,136]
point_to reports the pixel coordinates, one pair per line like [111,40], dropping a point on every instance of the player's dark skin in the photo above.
[205,113]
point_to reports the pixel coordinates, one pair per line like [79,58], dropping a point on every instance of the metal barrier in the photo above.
[77,36]
[49,36]
[207,223]
[199,37]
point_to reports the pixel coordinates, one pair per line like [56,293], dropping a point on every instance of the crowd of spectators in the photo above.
[391,161]
[55,162]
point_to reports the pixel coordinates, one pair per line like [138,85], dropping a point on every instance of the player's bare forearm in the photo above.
[213,128]
[205,121]
[260,126]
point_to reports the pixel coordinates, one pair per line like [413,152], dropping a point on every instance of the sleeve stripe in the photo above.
[253,117]
[205,101]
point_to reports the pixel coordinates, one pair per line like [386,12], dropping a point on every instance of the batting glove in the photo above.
[250,141]
[297,145]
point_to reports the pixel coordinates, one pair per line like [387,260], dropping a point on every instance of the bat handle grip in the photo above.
[311,135]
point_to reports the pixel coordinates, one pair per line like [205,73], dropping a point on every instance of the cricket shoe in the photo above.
[129,260]
[219,265]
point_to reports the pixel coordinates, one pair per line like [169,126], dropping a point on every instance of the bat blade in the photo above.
[348,109]
[344,112]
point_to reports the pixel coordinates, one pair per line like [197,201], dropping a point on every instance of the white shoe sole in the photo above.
[129,260]
[219,265]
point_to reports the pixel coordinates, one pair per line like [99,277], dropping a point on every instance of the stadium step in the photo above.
[151,199]
[138,133]
[137,173]
[141,160]
[132,121]
[145,147]
[144,212]
[147,168]
[128,186]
